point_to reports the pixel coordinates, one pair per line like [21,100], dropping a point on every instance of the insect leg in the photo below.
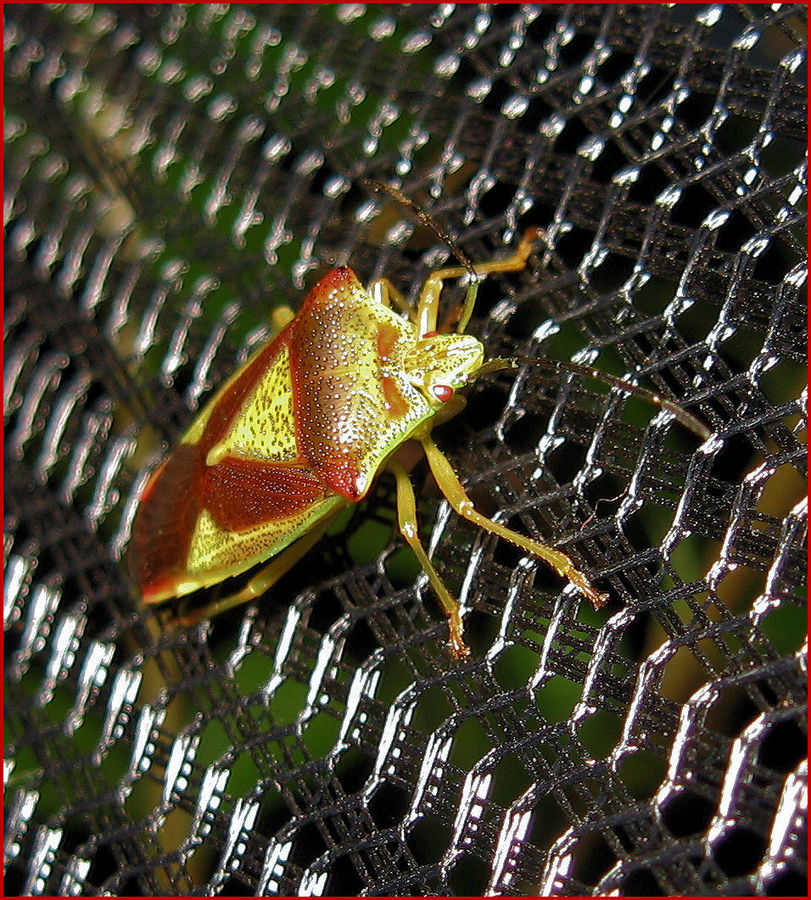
[407,520]
[451,487]
[383,291]
[264,579]
[428,306]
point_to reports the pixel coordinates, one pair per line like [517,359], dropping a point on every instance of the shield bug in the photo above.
[301,431]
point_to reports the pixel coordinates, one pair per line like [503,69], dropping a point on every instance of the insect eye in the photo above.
[442,392]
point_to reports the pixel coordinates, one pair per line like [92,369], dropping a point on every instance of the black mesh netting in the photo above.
[171,173]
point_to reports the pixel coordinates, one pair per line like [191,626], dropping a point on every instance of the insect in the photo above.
[301,431]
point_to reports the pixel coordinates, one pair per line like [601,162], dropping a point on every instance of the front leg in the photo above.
[428,306]
[451,487]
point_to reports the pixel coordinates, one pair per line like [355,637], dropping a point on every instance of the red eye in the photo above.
[442,392]
[430,334]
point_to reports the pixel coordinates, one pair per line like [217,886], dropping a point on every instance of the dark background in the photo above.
[173,172]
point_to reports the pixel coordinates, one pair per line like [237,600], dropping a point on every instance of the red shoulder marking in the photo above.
[322,353]
[341,472]
[330,288]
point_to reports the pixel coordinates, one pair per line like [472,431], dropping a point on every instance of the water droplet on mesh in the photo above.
[515,106]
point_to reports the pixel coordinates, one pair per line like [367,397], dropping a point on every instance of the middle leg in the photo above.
[428,307]
[451,487]
[407,520]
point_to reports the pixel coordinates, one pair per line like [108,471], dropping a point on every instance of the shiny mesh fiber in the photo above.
[171,174]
